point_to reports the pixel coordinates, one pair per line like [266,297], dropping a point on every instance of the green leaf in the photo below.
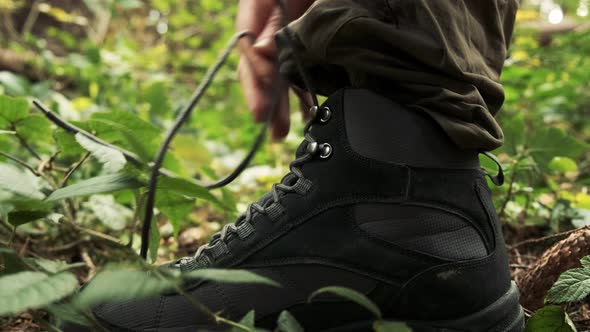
[349,294]
[563,165]
[67,143]
[112,214]
[288,323]
[247,322]
[12,109]
[17,218]
[514,130]
[20,182]
[111,159]
[54,266]
[550,319]
[68,313]
[187,188]
[230,276]
[385,326]
[585,261]
[156,95]
[14,85]
[175,206]
[547,143]
[97,185]
[10,262]
[117,284]
[32,290]
[572,285]
[34,128]
[127,130]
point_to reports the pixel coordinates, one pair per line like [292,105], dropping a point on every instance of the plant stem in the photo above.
[21,162]
[25,145]
[73,169]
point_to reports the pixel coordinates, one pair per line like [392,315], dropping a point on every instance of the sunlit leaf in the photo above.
[120,285]
[111,159]
[97,185]
[32,290]
[288,323]
[229,276]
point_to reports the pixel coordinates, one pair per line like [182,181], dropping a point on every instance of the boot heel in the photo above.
[504,315]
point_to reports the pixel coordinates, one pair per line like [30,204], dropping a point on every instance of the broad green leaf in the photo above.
[112,214]
[550,319]
[17,218]
[230,276]
[97,185]
[34,128]
[187,188]
[288,323]
[53,266]
[12,109]
[127,130]
[111,159]
[585,261]
[514,130]
[349,294]
[156,95]
[20,182]
[563,165]
[175,206]
[549,142]
[572,285]
[120,285]
[32,290]
[67,143]
[14,85]
[10,262]
[68,313]
[385,326]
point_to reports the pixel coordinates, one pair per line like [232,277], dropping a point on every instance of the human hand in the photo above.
[258,69]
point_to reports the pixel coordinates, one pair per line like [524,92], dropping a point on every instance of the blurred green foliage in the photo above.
[121,70]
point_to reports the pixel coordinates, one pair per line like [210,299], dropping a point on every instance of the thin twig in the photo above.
[21,162]
[74,168]
[545,238]
[31,19]
[180,120]
[26,145]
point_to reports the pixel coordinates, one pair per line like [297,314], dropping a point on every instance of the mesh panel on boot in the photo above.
[431,231]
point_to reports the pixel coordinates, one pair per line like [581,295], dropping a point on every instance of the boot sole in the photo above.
[504,315]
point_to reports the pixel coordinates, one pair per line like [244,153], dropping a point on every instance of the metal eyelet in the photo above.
[325,150]
[312,147]
[326,114]
[313,111]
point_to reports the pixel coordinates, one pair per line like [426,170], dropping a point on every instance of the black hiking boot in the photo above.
[378,200]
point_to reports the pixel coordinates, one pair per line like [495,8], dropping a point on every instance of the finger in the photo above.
[255,95]
[264,69]
[305,101]
[281,121]
[253,14]
[265,43]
